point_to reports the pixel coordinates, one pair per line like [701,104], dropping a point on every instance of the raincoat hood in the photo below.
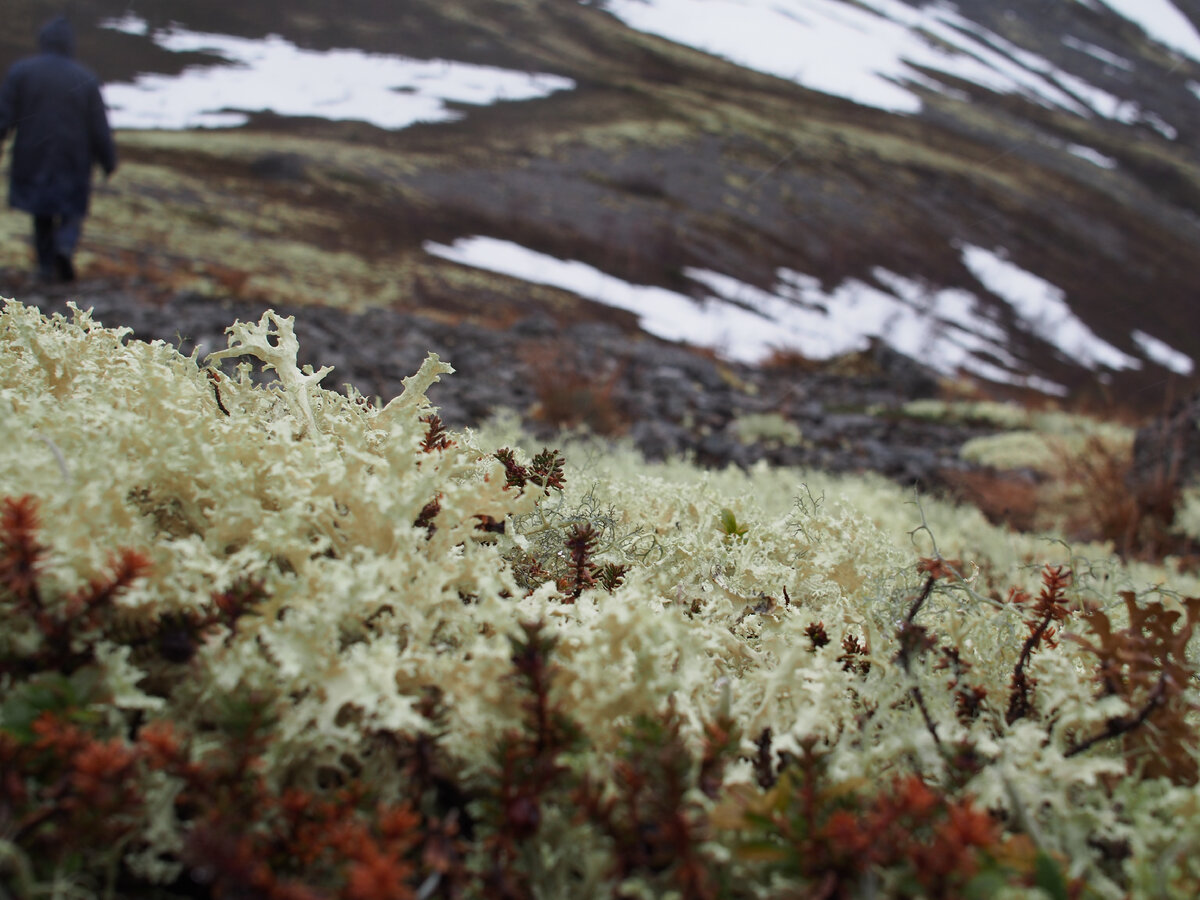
[57,36]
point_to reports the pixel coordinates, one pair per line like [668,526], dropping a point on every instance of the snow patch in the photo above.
[941,328]
[1105,56]
[1160,125]
[826,45]
[1162,21]
[1165,355]
[1043,308]
[277,76]
[666,314]
[871,51]
[1095,157]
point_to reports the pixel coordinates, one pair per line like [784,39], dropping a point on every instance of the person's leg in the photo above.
[43,245]
[66,238]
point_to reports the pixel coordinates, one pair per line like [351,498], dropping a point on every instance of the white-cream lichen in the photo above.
[320,497]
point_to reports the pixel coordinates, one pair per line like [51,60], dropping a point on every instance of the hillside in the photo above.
[1036,227]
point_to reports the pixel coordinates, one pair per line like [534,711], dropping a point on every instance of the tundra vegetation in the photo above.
[264,639]
[661,161]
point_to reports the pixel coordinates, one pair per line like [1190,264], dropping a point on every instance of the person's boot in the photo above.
[65,268]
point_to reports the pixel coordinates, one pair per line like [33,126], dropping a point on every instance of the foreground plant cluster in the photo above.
[261,639]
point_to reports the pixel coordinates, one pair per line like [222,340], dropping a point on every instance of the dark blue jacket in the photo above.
[55,106]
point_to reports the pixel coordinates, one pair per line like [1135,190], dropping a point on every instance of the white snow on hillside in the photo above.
[868,52]
[1105,56]
[1162,21]
[1095,157]
[1043,309]
[276,75]
[1163,354]
[944,328]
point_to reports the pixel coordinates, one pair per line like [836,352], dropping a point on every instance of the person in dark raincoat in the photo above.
[54,104]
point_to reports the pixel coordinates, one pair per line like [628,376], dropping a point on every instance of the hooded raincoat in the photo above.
[54,104]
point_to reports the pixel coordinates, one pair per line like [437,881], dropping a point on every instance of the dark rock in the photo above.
[1166,454]
[902,374]
[279,167]
[658,439]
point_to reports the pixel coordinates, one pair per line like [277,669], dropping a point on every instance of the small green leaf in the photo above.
[1049,877]
[729,524]
[48,692]
[985,885]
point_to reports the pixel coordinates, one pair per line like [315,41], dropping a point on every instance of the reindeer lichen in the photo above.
[295,645]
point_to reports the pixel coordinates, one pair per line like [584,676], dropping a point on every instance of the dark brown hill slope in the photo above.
[661,161]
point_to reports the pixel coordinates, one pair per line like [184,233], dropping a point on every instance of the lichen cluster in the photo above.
[259,637]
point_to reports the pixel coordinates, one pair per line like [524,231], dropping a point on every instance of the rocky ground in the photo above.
[666,398]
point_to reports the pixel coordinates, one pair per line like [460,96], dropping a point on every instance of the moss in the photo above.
[767,428]
[1048,452]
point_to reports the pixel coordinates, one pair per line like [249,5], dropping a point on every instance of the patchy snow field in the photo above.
[871,52]
[943,327]
[277,76]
